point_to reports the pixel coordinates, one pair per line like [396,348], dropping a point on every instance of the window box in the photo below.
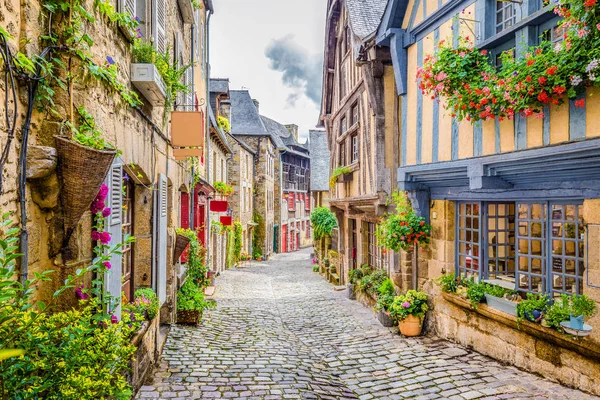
[146,78]
[500,304]
[187,11]
[345,178]
[586,347]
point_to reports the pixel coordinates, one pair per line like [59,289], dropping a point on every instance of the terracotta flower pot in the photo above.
[411,326]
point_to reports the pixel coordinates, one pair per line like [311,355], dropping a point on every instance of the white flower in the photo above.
[576,80]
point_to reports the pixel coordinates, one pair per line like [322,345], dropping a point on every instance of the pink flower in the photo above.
[103,192]
[598,27]
[95,236]
[80,294]
[114,320]
[107,264]
[97,206]
[406,304]
[106,212]
[104,237]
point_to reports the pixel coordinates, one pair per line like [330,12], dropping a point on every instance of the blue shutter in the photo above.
[159,276]
[114,200]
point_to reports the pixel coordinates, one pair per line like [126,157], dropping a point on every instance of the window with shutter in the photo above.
[159,25]
[112,278]
[159,277]
[128,7]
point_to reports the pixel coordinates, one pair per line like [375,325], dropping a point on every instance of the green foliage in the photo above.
[582,305]
[532,303]
[145,302]
[315,268]
[547,74]
[448,283]
[258,236]
[370,283]
[558,312]
[223,123]
[223,189]
[403,228]
[386,288]
[336,173]
[323,222]
[411,303]
[476,292]
[231,257]
[191,298]
[237,248]
[88,133]
[355,275]
[72,354]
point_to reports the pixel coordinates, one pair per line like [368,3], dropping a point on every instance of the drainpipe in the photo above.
[207,130]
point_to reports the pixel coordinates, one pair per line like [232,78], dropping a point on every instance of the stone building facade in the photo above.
[513,201]
[320,161]
[146,180]
[358,119]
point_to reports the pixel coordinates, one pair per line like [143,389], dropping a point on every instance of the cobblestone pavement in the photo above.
[281,332]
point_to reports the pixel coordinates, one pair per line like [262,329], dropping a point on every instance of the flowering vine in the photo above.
[475,90]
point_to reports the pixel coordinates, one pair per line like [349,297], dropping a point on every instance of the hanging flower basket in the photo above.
[226,220]
[189,317]
[82,170]
[218,206]
[181,243]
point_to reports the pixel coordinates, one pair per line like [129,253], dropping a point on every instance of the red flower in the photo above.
[542,80]
[484,52]
[422,223]
[466,86]
[559,90]
[528,112]
[543,97]
[552,70]
[589,3]
[538,51]
[530,62]
[580,103]
[528,78]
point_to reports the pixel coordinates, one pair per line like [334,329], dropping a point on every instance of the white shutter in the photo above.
[189,101]
[159,276]
[159,25]
[127,6]
[114,200]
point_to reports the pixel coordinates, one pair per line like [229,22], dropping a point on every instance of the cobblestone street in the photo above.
[280,331]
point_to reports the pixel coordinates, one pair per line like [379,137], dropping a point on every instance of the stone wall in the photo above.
[540,350]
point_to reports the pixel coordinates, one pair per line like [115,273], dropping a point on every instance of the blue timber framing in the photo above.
[569,170]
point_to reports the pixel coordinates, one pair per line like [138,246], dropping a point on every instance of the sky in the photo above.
[273,48]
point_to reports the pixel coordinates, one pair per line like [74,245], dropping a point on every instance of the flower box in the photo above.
[345,178]
[385,319]
[226,220]
[189,317]
[146,78]
[218,206]
[500,304]
[187,11]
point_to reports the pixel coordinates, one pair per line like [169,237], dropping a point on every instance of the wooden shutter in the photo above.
[127,6]
[159,25]
[114,200]
[159,277]
[185,210]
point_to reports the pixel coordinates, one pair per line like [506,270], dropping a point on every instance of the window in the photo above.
[127,226]
[555,35]
[506,14]
[343,125]
[354,114]
[498,59]
[375,253]
[347,40]
[537,246]
[355,148]
[468,236]
[342,153]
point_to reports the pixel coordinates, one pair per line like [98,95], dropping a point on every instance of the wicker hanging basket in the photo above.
[82,170]
[181,243]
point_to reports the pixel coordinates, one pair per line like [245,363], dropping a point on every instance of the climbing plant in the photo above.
[323,222]
[237,249]
[258,236]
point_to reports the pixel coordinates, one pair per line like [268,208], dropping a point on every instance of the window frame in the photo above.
[546,256]
[354,143]
[506,23]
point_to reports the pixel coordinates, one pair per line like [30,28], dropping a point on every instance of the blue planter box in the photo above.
[501,304]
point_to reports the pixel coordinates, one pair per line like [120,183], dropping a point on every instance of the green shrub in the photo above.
[532,303]
[371,283]
[387,288]
[237,246]
[564,306]
[355,275]
[190,297]
[323,222]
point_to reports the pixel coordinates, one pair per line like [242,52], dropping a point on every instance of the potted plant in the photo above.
[409,310]
[501,299]
[191,303]
[385,298]
[532,308]
[182,240]
[354,276]
[568,312]
[340,175]
[403,228]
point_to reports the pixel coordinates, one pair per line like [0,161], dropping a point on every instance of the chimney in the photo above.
[257,104]
[225,109]
[293,128]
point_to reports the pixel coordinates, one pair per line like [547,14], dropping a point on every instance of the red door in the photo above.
[200,216]
[284,239]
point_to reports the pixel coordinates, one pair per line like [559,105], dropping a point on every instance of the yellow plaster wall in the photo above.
[592,112]
[535,132]
[445,116]
[409,8]
[507,135]
[488,137]
[559,123]
[389,94]
[465,139]
[427,111]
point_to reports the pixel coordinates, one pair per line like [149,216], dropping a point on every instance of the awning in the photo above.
[565,170]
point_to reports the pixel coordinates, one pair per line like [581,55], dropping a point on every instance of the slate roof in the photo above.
[283,136]
[219,85]
[319,160]
[245,119]
[365,16]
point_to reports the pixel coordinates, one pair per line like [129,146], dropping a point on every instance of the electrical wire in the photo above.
[11,120]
